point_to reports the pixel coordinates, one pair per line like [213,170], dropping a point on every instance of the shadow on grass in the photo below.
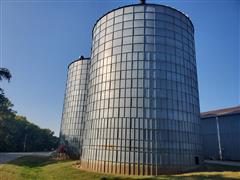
[208,171]
[207,177]
[34,161]
[218,168]
[172,177]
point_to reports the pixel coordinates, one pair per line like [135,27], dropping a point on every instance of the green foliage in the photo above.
[5,74]
[6,111]
[15,131]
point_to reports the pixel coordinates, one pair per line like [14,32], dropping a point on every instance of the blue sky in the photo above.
[40,38]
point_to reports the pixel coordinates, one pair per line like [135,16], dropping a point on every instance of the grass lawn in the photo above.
[37,167]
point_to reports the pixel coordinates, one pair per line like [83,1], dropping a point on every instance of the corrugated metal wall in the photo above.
[229,127]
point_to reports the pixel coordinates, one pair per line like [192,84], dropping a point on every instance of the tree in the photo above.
[16,132]
[6,111]
[5,74]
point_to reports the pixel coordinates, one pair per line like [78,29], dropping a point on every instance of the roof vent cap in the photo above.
[81,57]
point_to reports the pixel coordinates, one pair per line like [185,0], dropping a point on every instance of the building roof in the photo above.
[140,4]
[79,59]
[221,112]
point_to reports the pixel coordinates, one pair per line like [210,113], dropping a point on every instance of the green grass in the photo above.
[43,168]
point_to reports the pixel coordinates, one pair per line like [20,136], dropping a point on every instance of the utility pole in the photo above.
[25,142]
